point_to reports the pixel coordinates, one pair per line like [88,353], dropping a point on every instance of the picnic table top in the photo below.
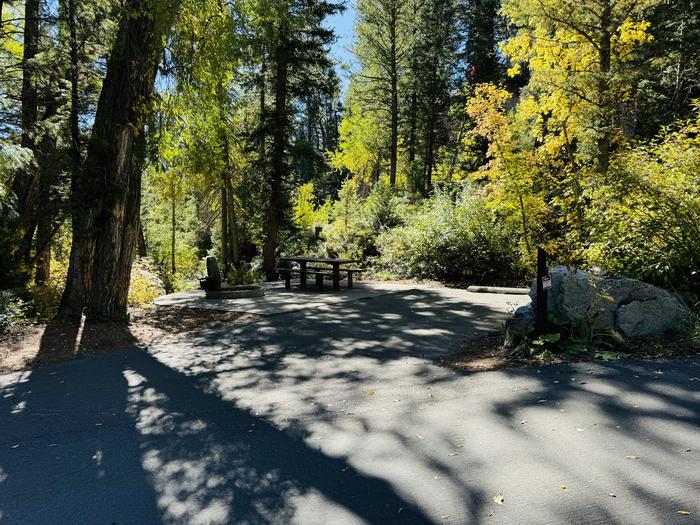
[319,260]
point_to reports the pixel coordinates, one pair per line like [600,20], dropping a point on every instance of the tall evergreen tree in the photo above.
[384,41]
[105,193]
[298,46]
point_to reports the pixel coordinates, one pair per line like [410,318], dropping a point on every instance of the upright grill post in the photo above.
[541,302]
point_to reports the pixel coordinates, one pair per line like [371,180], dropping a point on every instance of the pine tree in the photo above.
[105,193]
[384,41]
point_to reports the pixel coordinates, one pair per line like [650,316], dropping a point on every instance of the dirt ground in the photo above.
[488,353]
[37,344]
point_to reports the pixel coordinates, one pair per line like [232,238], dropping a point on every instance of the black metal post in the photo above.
[541,302]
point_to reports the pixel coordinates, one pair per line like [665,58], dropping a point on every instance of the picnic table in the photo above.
[320,272]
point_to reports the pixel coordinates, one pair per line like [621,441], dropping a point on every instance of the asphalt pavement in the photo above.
[339,414]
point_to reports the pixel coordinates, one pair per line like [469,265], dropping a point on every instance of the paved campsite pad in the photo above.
[337,415]
[278,300]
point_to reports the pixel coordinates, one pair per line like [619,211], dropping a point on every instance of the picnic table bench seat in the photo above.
[320,274]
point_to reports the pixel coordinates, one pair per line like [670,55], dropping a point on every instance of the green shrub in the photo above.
[145,285]
[13,311]
[348,235]
[383,208]
[452,238]
[646,217]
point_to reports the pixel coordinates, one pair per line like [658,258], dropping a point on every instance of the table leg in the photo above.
[336,276]
[302,274]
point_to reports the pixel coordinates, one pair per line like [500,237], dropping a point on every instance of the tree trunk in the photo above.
[24,186]
[173,226]
[232,239]
[412,127]
[233,226]
[142,249]
[106,192]
[74,91]
[263,116]
[394,88]
[278,162]
[45,209]
[224,226]
[604,54]
[429,156]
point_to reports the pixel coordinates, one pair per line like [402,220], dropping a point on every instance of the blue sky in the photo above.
[343,25]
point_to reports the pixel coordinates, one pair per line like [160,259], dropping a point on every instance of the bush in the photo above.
[348,235]
[647,215]
[453,238]
[47,296]
[13,311]
[145,285]
[356,223]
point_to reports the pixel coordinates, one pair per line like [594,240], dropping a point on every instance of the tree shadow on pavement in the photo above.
[176,435]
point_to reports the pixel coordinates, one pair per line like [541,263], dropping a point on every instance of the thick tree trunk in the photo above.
[106,193]
[24,185]
[278,162]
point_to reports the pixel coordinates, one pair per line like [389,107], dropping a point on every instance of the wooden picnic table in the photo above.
[335,264]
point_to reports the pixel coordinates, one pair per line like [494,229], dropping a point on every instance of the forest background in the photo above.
[139,136]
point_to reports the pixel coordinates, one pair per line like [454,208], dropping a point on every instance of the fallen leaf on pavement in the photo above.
[632,457]
[564,488]
[612,495]
[684,513]
[499,499]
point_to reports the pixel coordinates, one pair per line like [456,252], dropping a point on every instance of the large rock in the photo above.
[519,325]
[595,303]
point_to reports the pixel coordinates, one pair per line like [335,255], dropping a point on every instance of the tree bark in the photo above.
[173,226]
[142,249]
[604,103]
[394,88]
[74,75]
[224,226]
[233,226]
[232,238]
[278,162]
[45,208]
[106,192]
[24,185]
